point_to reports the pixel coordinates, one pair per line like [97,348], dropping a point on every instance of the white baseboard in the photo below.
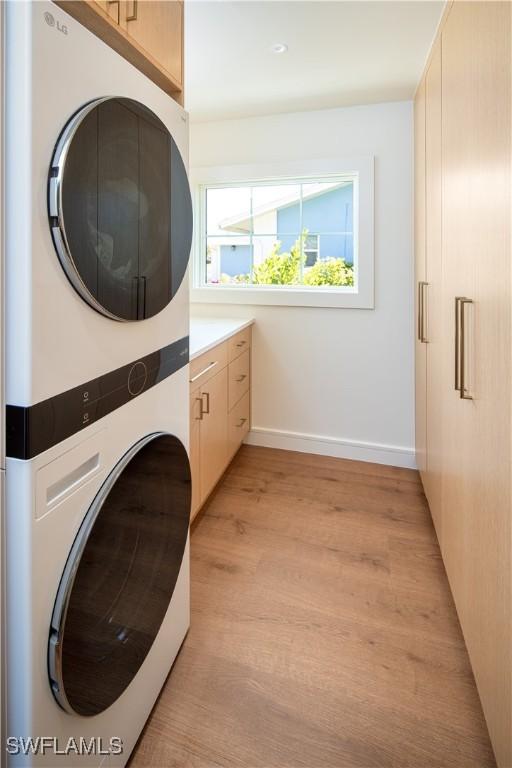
[340,448]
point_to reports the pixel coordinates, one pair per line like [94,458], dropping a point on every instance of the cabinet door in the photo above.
[157,26]
[214,441]
[111,7]
[476,263]
[434,324]
[195,432]
[420,275]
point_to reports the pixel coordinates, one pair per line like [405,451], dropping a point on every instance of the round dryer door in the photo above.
[120,209]
[120,576]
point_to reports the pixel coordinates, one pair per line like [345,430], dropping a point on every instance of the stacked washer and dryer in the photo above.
[98,236]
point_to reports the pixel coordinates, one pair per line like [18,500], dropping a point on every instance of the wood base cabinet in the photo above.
[219,411]
[463,204]
[213,431]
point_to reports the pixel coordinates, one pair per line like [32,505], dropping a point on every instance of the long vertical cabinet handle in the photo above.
[458,300]
[424,316]
[463,389]
[460,347]
[422,333]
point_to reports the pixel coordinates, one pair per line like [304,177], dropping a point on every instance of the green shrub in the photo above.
[279,268]
[288,269]
[227,279]
[330,272]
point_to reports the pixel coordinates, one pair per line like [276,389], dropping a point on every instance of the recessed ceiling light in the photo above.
[279,48]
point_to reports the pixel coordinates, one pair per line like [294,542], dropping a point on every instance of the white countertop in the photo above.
[207,332]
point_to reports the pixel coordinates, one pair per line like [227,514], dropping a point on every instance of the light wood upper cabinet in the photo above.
[148,33]
[157,27]
[112,9]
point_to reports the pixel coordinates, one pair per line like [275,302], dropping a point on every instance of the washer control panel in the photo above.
[33,429]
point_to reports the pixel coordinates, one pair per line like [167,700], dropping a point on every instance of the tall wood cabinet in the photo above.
[428,267]
[421,279]
[432,320]
[465,393]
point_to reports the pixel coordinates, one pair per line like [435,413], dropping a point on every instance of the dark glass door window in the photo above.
[120,209]
[120,576]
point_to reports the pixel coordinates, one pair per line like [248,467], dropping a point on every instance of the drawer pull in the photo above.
[242,422]
[241,378]
[241,343]
[133,15]
[201,373]
[200,417]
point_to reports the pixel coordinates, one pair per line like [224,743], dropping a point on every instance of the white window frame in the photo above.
[358,297]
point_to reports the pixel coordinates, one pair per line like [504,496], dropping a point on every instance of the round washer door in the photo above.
[120,209]
[120,576]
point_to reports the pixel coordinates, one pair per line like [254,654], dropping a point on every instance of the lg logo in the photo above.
[52,22]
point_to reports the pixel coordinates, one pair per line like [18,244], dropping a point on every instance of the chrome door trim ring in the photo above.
[67,580]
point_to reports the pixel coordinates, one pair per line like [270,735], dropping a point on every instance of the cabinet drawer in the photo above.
[239,422]
[239,378]
[239,343]
[208,364]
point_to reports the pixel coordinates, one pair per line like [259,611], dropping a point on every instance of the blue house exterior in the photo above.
[328,219]
[330,212]
[235,259]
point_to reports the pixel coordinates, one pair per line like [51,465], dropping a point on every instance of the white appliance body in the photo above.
[48,498]
[56,343]
[55,340]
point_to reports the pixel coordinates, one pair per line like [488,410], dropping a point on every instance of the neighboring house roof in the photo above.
[242,222]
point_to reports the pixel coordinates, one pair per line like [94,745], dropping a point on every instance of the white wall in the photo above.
[334,381]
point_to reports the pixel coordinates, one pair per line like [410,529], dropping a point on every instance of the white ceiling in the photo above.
[340,52]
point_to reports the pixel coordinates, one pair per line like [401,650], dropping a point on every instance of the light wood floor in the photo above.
[323,631]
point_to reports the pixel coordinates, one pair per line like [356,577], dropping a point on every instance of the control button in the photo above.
[137,378]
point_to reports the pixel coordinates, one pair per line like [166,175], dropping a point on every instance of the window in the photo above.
[310,250]
[285,240]
[269,234]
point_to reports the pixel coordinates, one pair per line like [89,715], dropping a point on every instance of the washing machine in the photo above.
[98,533]
[98,232]
[98,210]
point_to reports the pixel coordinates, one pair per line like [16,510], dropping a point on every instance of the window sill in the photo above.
[287,297]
